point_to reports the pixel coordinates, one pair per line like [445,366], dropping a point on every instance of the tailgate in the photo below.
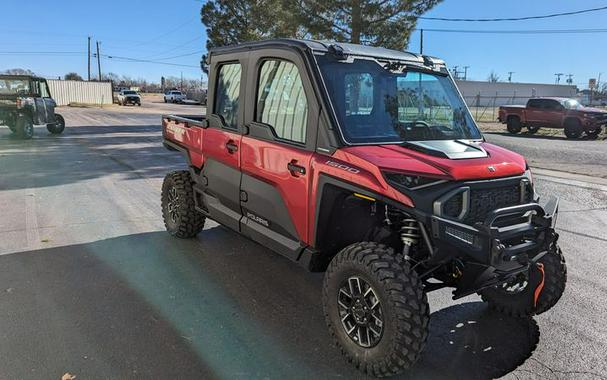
[186,133]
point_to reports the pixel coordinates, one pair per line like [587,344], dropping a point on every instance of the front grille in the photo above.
[482,201]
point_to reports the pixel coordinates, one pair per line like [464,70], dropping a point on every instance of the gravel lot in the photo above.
[92,285]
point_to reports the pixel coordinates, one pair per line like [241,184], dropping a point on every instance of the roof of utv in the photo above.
[12,76]
[325,46]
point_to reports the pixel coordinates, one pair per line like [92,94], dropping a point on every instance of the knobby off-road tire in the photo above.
[180,217]
[403,308]
[513,125]
[522,304]
[24,127]
[58,127]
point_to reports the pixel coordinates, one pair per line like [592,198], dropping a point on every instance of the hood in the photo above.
[593,110]
[453,160]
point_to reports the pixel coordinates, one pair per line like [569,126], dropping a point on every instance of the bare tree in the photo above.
[72,76]
[18,72]
[493,77]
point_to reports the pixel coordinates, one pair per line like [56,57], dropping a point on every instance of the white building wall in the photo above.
[482,94]
[66,92]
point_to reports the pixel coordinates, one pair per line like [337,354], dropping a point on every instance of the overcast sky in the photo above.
[161,30]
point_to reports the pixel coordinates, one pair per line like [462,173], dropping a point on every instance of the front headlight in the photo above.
[411,182]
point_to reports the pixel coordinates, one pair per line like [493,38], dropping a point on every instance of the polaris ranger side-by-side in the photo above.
[365,163]
[26,101]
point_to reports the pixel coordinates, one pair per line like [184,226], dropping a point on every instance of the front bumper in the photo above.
[499,252]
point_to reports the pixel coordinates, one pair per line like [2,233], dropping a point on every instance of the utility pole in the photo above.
[421,41]
[510,76]
[466,72]
[99,61]
[89,67]
[558,78]
[569,79]
[455,72]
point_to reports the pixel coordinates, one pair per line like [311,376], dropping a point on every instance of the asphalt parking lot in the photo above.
[91,284]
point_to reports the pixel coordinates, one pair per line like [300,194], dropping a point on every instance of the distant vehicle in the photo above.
[561,113]
[26,101]
[129,97]
[174,97]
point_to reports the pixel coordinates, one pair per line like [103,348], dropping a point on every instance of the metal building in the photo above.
[487,94]
[66,92]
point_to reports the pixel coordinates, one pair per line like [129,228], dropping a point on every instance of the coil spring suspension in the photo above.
[409,235]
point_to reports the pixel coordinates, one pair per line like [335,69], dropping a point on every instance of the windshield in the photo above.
[14,86]
[571,104]
[130,93]
[377,105]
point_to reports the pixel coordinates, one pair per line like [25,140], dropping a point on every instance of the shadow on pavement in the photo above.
[152,306]
[84,153]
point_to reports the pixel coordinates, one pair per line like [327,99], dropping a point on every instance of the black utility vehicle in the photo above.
[26,101]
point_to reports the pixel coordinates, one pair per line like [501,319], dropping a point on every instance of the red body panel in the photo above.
[268,162]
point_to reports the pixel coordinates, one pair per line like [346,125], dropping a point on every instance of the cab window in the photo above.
[281,100]
[228,94]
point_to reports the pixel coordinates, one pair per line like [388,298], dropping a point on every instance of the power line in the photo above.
[129,59]
[514,18]
[529,31]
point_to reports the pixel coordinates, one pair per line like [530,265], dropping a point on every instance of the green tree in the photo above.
[387,23]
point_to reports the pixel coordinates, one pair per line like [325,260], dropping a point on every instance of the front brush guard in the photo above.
[499,252]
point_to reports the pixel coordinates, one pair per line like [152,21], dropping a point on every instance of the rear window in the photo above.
[14,86]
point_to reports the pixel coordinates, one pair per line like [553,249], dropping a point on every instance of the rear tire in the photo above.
[513,124]
[58,127]
[382,326]
[24,127]
[573,129]
[180,216]
[521,304]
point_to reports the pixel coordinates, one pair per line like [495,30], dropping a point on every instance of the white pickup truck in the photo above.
[129,97]
[174,97]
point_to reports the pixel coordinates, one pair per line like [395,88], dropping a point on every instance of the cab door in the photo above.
[49,102]
[220,174]
[277,148]
[40,114]
[554,112]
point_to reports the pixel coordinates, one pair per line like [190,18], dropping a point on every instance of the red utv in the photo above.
[365,163]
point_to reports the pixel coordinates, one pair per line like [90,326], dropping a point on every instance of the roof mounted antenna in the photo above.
[338,52]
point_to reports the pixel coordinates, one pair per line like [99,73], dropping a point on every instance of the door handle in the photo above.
[231,147]
[294,168]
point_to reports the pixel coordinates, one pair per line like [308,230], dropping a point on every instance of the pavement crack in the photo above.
[582,234]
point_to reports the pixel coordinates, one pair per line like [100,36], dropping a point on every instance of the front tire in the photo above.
[573,129]
[178,211]
[523,303]
[532,129]
[58,127]
[375,308]
[24,127]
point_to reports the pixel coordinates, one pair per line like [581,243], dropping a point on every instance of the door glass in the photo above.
[281,100]
[44,90]
[228,93]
